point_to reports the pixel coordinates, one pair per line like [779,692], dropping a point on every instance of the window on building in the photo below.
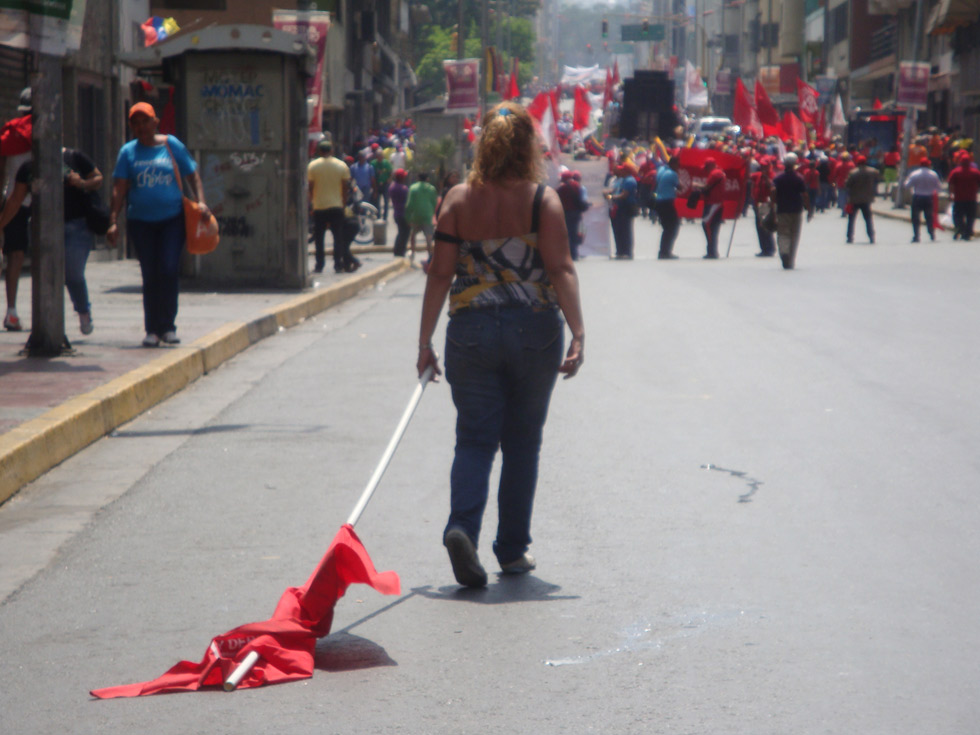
[838,24]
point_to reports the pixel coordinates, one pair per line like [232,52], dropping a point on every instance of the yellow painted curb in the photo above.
[29,450]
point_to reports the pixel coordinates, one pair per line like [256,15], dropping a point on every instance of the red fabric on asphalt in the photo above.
[286,641]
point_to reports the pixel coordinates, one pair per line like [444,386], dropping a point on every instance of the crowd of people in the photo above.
[782,183]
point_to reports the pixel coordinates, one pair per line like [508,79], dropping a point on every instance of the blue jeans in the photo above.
[501,364]
[78,244]
[159,246]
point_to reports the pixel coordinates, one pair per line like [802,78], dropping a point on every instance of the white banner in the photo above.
[573,75]
[695,91]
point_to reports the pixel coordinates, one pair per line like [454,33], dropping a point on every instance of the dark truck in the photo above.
[877,128]
[648,107]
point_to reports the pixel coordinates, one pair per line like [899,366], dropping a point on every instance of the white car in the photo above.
[712,125]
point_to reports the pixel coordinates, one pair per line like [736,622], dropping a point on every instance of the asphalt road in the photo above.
[756,514]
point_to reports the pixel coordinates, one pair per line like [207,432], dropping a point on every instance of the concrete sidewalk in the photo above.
[50,408]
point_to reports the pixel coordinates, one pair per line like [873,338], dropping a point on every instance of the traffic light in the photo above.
[588,47]
[646,26]
[605,28]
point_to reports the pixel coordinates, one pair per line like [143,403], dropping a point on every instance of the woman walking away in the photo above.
[501,254]
[145,177]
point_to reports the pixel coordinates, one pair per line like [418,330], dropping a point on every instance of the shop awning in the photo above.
[949,15]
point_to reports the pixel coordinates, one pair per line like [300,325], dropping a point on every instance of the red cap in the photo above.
[924,161]
[400,173]
[860,160]
[142,108]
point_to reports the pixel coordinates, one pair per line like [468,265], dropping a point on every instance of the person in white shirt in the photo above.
[925,184]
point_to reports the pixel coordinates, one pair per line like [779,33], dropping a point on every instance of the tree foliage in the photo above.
[446,12]
[435,47]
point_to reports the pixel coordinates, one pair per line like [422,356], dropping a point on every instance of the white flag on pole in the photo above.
[695,91]
[838,120]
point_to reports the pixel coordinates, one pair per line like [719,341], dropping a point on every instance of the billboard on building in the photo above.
[913,84]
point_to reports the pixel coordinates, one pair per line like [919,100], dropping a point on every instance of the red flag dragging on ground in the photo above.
[744,114]
[692,174]
[808,101]
[767,113]
[284,643]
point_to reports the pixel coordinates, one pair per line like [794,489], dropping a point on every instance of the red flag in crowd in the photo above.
[877,104]
[555,100]
[745,114]
[793,127]
[582,113]
[615,72]
[808,101]
[538,105]
[511,90]
[607,91]
[692,174]
[284,643]
[767,113]
[824,132]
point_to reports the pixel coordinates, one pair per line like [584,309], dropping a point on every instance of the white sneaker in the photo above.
[151,340]
[170,338]
[85,323]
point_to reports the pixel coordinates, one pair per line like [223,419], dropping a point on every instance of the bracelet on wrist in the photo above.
[425,346]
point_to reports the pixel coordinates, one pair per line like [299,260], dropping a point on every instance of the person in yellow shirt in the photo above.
[329,188]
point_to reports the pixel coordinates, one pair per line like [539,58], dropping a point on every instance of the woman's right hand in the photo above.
[428,358]
[573,358]
[112,235]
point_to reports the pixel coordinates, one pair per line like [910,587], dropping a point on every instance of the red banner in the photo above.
[314,26]
[692,174]
[463,84]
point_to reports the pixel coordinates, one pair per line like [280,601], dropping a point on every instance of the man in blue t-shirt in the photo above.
[364,176]
[666,191]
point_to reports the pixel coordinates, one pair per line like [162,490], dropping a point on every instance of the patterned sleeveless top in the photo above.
[505,271]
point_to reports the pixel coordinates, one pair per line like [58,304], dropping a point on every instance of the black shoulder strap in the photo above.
[446,237]
[536,210]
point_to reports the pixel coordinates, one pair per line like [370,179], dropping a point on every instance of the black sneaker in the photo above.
[462,555]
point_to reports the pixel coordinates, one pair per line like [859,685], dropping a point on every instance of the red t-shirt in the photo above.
[841,172]
[964,184]
[761,187]
[715,188]
[892,158]
[812,178]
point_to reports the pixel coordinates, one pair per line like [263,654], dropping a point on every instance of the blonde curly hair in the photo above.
[507,149]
